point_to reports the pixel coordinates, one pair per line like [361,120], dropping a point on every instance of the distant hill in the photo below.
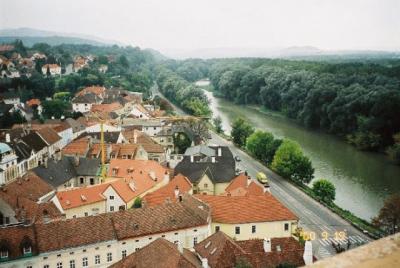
[32,36]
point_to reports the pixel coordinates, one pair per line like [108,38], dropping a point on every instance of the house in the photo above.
[52,139]
[69,172]
[11,97]
[79,147]
[104,239]
[115,195]
[64,130]
[107,108]
[145,174]
[96,127]
[27,199]
[24,110]
[96,90]
[83,103]
[243,185]
[79,63]
[171,192]
[154,150]
[165,137]
[209,168]
[110,137]
[160,251]
[138,111]
[77,127]
[6,48]
[250,217]
[103,68]
[37,56]
[8,164]
[54,69]
[39,146]
[152,127]
[222,251]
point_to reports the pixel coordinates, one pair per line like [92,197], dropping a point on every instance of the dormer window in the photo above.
[27,250]
[26,246]
[4,254]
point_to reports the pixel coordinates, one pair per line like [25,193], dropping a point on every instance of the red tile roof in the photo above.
[138,169]
[222,251]
[78,147]
[97,90]
[143,139]
[179,182]
[106,108]
[238,186]
[32,102]
[160,252]
[51,66]
[247,209]
[81,196]
[49,135]
[13,237]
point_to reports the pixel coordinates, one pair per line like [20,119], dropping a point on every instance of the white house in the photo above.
[83,103]
[8,164]
[54,69]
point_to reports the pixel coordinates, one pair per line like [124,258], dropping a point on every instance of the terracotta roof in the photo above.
[22,195]
[49,135]
[238,186]
[51,66]
[32,102]
[222,251]
[4,48]
[81,196]
[106,107]
[61,127]
[283,250]
[138,169]
[79,147]
[143,139]
[97,90]
[246,209]
[12,238]
[62,234]
[160,252]
[179,182]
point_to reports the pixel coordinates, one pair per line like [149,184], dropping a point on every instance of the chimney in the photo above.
[166,176]
[266,188]
[180,247]
[204,263]
[248,181]
[8,139]
[212,159]
[267,244]
[176,192]
[76,160]
[152,175]
[219,151]
[134,137]
[191,159]
[308,255]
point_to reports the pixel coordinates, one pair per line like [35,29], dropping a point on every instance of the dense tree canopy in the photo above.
[389,215]
[325,190]
[241,130]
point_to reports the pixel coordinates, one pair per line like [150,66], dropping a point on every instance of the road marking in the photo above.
[359,239]
[352,239]
[323,242]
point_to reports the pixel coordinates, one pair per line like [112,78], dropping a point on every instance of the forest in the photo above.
[359,101]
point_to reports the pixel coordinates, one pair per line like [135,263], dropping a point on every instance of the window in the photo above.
[216,228]
[46,266]
[109,257]
[59,264]
[136,249]
[71,264]
[253,229]
[205,185]
[97,259]
[85,262]
[27,250]
[122,207]
[123,253]
[111,208]
[237,230]
[111,197]
[286,226]
[91,181]
[81,180]
[86,214]
[4,254]
[29,266]
[176,242]
[194,241]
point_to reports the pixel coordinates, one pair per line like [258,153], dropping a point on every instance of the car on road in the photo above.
[261,177]
[237,158]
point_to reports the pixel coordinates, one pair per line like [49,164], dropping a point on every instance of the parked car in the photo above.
[237,158]
[261,177]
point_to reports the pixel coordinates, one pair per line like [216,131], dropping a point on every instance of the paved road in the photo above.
[316,220]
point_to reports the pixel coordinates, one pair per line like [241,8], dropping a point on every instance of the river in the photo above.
[363,180]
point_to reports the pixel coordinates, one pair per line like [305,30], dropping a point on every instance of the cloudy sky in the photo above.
[165,24]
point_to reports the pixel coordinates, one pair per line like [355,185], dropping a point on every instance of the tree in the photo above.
[389,216]
[263,146]
[137,203]
[48,71]
[218,124]
[241,130]
[325,190]
[290,163]
[55,108]
[123,61]
[181,142]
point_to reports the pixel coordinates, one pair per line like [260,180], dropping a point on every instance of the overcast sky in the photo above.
[326,24]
